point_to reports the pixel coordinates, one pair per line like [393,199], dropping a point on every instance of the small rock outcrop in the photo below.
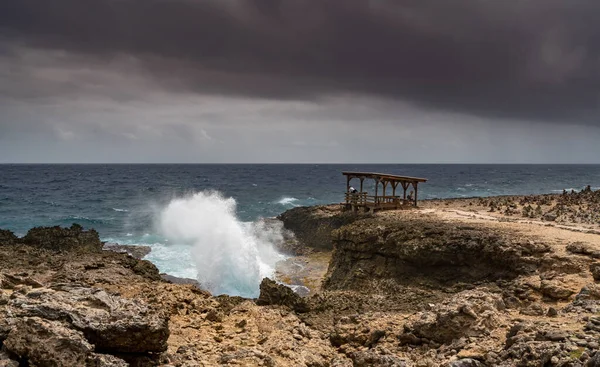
[313,226]
[272,293]
[52,343]
[63,239]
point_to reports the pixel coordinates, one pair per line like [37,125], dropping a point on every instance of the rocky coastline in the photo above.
[504,281]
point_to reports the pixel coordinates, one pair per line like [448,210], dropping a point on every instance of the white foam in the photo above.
[230,256]
[120,210]
[288,201]
[567,190]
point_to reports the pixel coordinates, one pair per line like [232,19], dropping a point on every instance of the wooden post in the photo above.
[376,187]
[361,183]
[347,189]
[384,186]
[415,186]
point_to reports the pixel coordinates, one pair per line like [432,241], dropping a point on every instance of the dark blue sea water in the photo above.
[128,203]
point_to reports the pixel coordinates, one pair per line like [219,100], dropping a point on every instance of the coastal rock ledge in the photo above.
[440,285]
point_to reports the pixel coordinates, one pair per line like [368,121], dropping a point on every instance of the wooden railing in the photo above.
[362,198]
[359,198]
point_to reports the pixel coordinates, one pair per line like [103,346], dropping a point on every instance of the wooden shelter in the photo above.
[381,201]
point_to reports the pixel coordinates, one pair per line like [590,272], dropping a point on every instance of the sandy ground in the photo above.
[557,234]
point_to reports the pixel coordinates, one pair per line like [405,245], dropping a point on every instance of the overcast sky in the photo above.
[211,81]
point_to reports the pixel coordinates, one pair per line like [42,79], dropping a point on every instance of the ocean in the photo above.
[203,221]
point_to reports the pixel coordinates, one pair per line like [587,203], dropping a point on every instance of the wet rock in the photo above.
[176,280]
[555,290]
[109,322]
[469,313]
[137,252]
[64,239]
[146,269]
[272,293]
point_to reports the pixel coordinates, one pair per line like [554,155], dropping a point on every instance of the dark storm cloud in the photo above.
[521,59]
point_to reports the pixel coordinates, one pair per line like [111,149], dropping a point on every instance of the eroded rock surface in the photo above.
[467,314]
[403,289]
[408,248]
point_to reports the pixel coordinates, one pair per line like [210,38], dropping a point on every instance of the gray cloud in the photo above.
[515,59]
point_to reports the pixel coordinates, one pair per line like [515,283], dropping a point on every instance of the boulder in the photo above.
[111,323]
[555,290]
[595,270]
[272,293]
